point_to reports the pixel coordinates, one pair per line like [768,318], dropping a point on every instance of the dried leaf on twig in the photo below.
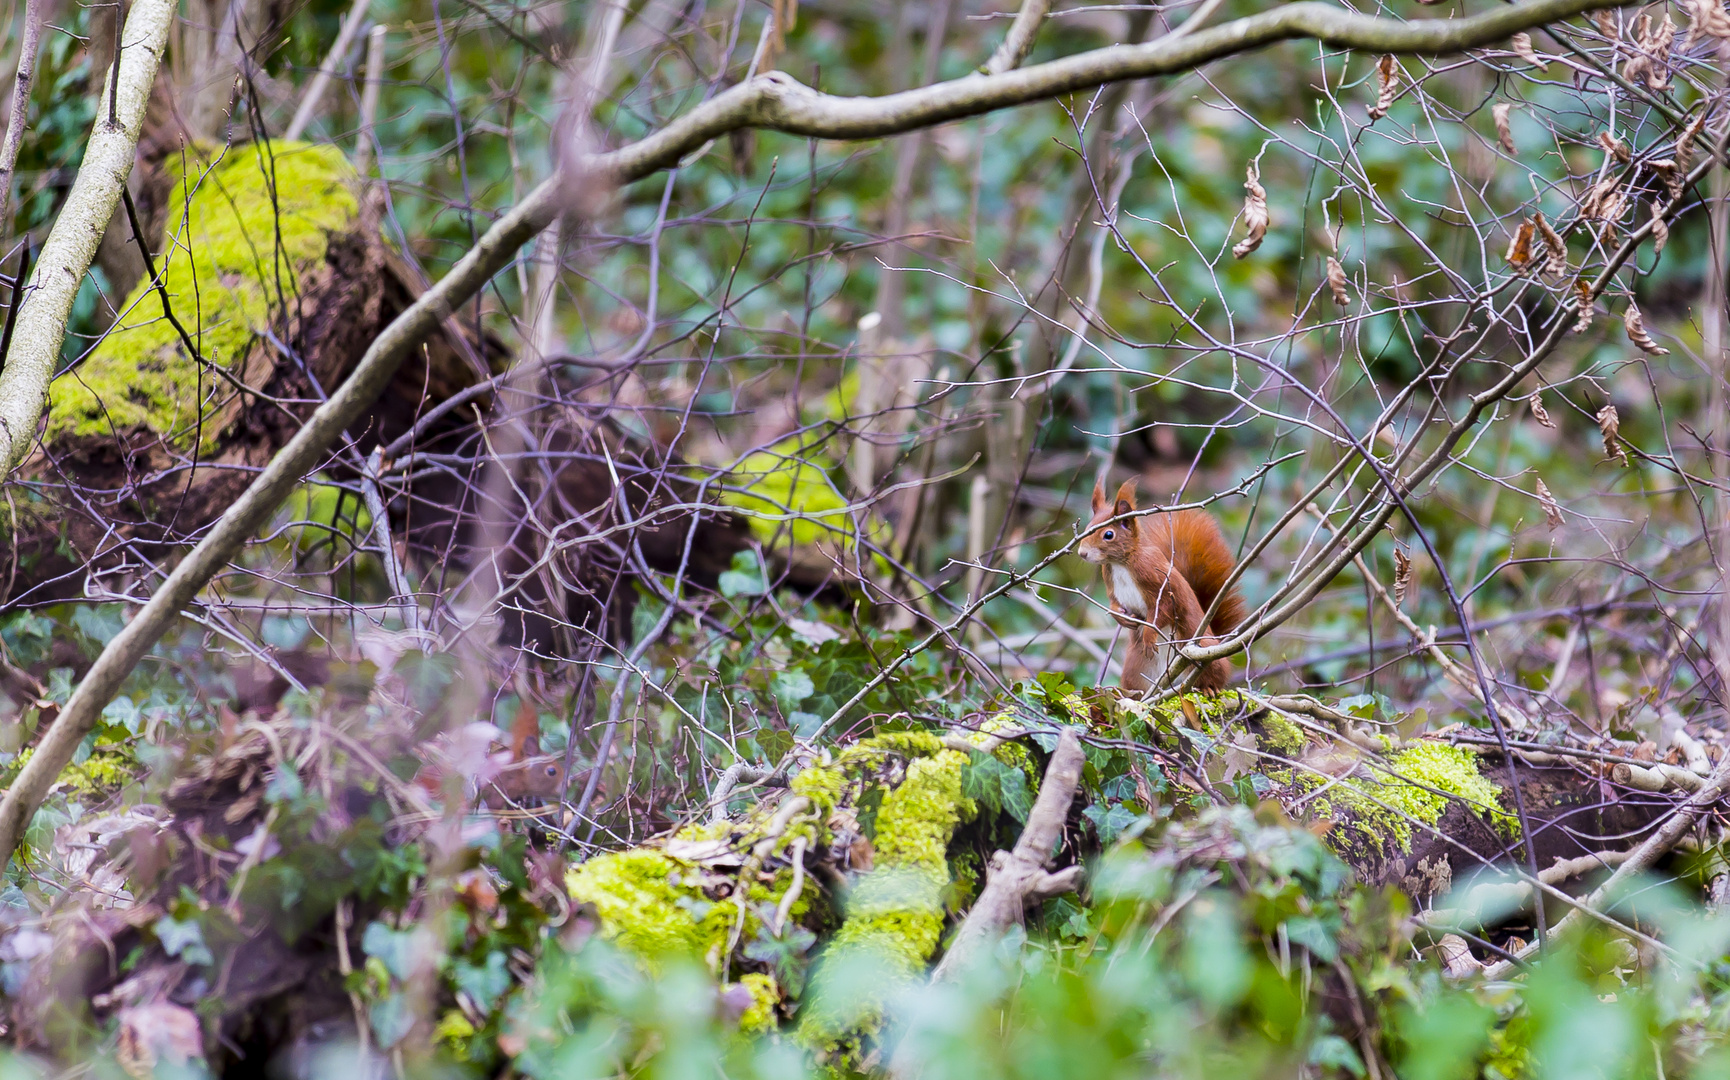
[1555,248]
[1337,282]
[1610,425]
[1522,43]
[1604,202]
[1387,76]
[1706,19]
[1636,327]
[1669,174]
[1402,576]
[1684,155]
[1539,413]
[1505,136]
[1582,306]
[1660,230]
[1616,147]
[1552,510]
[1606,20]
[1520,247]
[1652,53]
[1254,213]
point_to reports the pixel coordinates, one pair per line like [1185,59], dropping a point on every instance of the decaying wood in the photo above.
[1654,847]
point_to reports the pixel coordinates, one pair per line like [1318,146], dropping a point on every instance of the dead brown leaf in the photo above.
[1504,135]
[1387,75]
[1522,43]
[1610,426]
[1652,53]
[1519,254]
[1555,248]
[1337,282]
[1583,306]
[1255,218]
[1552,509]
[1636,327]
[1706,19]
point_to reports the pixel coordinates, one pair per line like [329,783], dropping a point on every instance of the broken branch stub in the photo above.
[1016,878]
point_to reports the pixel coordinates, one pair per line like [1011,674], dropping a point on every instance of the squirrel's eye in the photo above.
[1107,534]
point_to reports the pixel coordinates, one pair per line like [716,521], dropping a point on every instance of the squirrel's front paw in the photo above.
[1125,619]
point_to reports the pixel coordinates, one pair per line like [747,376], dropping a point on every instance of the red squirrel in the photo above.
[1138,557]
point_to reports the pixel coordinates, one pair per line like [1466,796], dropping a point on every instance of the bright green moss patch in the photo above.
[242,237]
[790,478]
[759,1017]
[645,906]
[1209,710]
[1282,736]
[654,904]
[895,913]
[657,902]
[1378,814]
[1451,771]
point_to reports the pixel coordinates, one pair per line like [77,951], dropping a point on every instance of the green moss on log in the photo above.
[1378,814]
[242,235]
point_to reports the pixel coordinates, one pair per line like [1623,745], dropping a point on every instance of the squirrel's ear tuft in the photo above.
[1126,494]
[1099,493]
[1124,506]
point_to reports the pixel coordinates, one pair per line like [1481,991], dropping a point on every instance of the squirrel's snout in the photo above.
[1092,555]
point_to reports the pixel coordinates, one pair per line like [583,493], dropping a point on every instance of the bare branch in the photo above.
[71,244]
[20,106]
[776,101]
[1017,877]
[1019,41]
[314,94]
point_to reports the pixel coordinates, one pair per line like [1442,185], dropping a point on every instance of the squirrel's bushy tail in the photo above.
[1198,551]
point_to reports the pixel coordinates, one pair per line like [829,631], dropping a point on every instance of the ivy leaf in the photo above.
[745,578]
[1333,1052]
[1315,936]
[1017,800]
[484,983]
[997,787]
[787,954]
[395,948]
[284,786]
[1109,822]
[183,939]
[98,622]
[792,687]
[392,1020]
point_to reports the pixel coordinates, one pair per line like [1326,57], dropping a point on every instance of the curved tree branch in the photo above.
[71,244]
[254,507]
[773,101]
[1017,878]
[1019,41]
[776,101]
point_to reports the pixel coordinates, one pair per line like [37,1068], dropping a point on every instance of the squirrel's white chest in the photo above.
[1125,590]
